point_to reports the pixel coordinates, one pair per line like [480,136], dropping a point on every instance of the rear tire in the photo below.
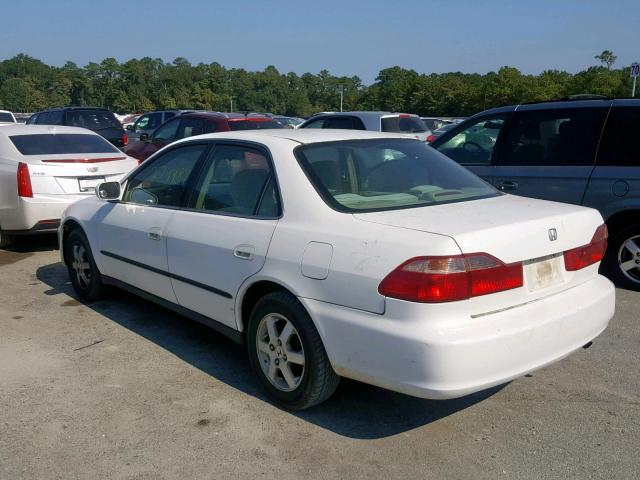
[84,274]
[287,354]
[5,240]
[622,259]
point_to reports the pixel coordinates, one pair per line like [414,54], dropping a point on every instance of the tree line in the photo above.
[27,84]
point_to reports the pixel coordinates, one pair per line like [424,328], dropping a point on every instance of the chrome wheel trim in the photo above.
[629,258]
[80,265]
[280,352]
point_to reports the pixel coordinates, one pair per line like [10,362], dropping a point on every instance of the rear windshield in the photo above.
[401,124]
[61,143]
[92,119]
[254,124]
[6,117]
[387,174]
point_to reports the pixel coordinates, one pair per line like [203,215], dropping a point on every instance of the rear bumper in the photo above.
[415,349]
[39,214]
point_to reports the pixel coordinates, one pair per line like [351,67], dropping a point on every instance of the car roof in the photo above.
[73,108]
[362,114]
[22,129]
[564,103]
[300,136]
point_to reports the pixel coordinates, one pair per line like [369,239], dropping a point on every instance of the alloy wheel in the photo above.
[80,265]
[280,352]
[629,258]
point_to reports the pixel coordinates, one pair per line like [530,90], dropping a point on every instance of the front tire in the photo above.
[287,354]
[622,260]
[85,276]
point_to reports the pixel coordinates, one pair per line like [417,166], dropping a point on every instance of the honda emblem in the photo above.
[553,234]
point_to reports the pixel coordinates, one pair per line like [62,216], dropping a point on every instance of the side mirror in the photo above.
[144,137]
[130,128]
[108,191]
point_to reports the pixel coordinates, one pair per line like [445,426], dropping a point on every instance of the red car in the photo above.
[195,123]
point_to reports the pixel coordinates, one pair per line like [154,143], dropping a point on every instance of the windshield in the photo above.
[92,119]
[403,124]
[254,124]
[61,143]
[387,174]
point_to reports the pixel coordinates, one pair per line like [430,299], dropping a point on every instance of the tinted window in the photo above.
[403,124]
[167,132]
[6,117]
[369,175]
[210,126]
[620,145]
[190,127]
[92,119]
[164,181]
[253,124]
[32,119]
[237,180]
[61,143]
[348,123]
[553,137]
[168,115]
[149,121]
[475,143]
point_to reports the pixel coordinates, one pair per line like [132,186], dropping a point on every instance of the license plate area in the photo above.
[89,184]
[544,272]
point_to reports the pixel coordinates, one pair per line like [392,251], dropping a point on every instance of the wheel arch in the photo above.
[250,296]
[623,219]
[66,228]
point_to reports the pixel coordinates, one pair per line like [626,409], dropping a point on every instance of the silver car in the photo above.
[404,123]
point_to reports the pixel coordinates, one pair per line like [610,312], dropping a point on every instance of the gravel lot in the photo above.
[124,389]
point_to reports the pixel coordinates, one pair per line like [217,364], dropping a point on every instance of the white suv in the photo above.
[342,253]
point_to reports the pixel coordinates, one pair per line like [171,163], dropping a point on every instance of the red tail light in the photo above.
[24,181]
[449,279]
[581,257]
[125,139]
[431,138]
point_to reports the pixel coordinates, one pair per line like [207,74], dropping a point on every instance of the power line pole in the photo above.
[341,90]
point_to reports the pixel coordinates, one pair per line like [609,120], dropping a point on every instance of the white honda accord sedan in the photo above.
[335,253]
[45,168]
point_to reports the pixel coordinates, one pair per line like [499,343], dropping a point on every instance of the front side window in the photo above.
[167,132]
[237,180]
[474,144]
[562,137]
[164,181]
[61,144]
[387,174]
[319,123]
[620,145]
[348,123]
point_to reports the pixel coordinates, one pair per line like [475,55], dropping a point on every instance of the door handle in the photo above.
[508,185]
[154,233]
[244,252]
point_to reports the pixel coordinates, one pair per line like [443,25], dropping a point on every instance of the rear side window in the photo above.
[92,119]
[562,137]
[403,124]
[253,124]
[620,145]
[319,123]
[6,117]
[190,127]
[61,144]
[237,180]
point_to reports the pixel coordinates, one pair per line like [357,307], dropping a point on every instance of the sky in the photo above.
[345,37]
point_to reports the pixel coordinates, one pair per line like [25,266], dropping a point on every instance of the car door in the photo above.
[223,237]
[132,233]
[475,144]
[550,153]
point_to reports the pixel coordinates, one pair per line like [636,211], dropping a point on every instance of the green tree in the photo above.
[606,58]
